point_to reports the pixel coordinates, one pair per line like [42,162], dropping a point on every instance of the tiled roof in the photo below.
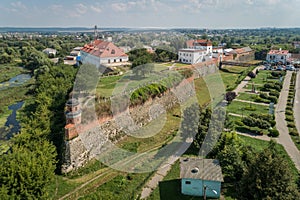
[192,43]
[103,49]
[198,168]
[279,52]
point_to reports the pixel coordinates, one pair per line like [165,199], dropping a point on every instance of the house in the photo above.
[276,56]
[100,52]
[296,44]
[242,54]
[200,44]
[200,177]
[193,56]
[197,51]
[50,52]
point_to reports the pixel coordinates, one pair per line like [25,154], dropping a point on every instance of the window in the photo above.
[121,60]
[187,182]
[115,60]
[113,51]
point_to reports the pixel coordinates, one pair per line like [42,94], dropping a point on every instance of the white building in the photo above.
[50,51]
[105,53]
[193,56]
[196,51]
[275,56]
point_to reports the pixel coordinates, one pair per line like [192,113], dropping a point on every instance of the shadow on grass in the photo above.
[171,190]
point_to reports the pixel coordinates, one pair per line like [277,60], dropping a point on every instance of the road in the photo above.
[281,125]
[297,103]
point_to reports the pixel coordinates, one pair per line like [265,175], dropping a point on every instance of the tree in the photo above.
[268,176]
[230,96]
[26,170]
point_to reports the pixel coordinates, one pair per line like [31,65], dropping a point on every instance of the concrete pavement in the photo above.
[297,103]
[281,125]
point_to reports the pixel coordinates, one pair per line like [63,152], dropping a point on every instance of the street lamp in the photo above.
[204,191]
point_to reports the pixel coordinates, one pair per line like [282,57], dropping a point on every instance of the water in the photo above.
[15,81]
[12,121]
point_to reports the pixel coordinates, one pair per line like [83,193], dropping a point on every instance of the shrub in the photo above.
[230,96]
[291,125]
[251,74]
[290,108]
[289,118]
[250,108]
[273,99]
[274,93]
[293,132]
[289,112]
[263,95]
[273,133]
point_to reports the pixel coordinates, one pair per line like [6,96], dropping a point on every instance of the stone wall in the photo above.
[93,140]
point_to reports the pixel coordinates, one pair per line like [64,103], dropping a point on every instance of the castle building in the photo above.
[73,118]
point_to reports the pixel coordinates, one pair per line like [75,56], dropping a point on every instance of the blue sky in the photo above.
[151,13]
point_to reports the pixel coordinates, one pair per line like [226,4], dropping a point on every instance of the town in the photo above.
[151,100]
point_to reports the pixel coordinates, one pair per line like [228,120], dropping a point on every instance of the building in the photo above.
[193,56]
[276,56]
[104,53]
[50,52]
[197,51]
[200,44]
[73,118]
[242,54]
[296,44]
[200,177]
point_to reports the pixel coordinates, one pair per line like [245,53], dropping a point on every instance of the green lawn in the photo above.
[262,77]
[246,96]
[241,108]
[202,91]
[234,69]
[106,85]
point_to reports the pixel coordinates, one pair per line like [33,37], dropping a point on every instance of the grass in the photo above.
[166,134]
[246,96]
[262,77]
[169,188]
[240,108]
[202,91]
[106,85]
[9,71]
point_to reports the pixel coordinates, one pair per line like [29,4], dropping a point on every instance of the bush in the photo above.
[289,118]
[263,95]
[273,99]
[291,125]
[273,133]
[289,112]
[293,132]
[250,108]
[289,108]
[251,74]
[230,96]
[274,93]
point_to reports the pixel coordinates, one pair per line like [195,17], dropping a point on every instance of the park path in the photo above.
[244,82]
[297,103]
[252,102]
[163,170]
[281,125]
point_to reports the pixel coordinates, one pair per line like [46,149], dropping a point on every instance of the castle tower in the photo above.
[73,118]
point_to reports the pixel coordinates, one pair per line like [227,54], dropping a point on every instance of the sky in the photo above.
[150,13]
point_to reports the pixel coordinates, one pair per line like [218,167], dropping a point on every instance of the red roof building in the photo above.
[101,52]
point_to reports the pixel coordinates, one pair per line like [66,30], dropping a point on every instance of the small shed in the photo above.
[200,177]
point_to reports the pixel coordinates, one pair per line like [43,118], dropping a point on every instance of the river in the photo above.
[15,81]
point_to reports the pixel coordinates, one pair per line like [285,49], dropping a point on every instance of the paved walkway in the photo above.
[252,102]
[281,125]
[240,87]
[297,103]
[162,171]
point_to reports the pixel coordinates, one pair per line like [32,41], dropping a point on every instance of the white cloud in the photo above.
[81,9]
[119,7]
[17,6]
[97,8]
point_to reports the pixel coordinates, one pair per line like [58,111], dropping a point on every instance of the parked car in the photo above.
[280,68]
[290,68]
